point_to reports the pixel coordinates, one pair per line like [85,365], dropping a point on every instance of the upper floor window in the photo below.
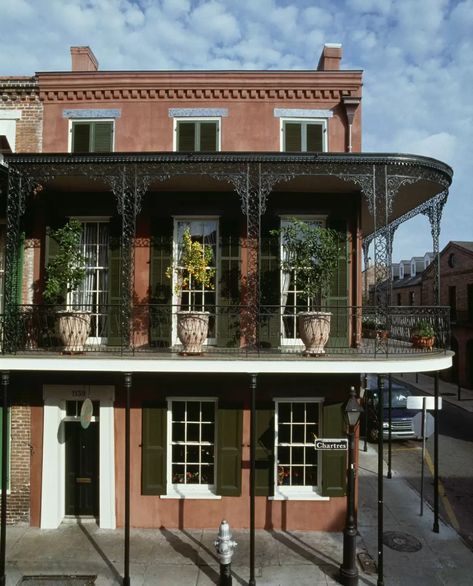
[197,135]
[91,136]
[303,136]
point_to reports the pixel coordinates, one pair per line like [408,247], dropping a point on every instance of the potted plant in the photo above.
[373,328]
[311,252]
[191,268]
[423,335]
[64,274]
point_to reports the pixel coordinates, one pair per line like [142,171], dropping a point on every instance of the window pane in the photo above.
[178,473]
[192,475]
[297,476]
[284,434]
[192,454]
[192,432]
[298,410]
[311,412]
[193,411]
[178,453]
[208,412]
[178,411]
[284,412]
[284,454]
[292,137]
[207,474]
[314,138]
[311,476]
[297,455]
[178,431]
[207,454]
[208,432]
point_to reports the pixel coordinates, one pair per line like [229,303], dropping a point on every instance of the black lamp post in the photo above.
[348,569]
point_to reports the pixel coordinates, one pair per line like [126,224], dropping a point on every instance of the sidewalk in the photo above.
[448,391]
[187,558]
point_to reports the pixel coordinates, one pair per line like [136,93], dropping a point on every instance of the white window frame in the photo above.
[8,121]
[305,122]
[94,340]
[72,121]
[292,341]
[175,250]
[189,491]
[300,493]
[177,120]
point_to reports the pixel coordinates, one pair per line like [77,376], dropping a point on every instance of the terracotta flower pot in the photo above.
[314,330]
[423,342]
[192,329]
[73,328]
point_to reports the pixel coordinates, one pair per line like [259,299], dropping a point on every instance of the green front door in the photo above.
[82,466]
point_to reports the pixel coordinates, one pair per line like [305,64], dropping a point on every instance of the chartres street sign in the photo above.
[330,444]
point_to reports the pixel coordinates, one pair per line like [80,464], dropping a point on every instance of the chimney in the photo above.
[83,59]
[330,58]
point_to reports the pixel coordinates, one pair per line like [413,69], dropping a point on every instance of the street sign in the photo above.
[86,412]
[330,444]
[417,402]
[417,424]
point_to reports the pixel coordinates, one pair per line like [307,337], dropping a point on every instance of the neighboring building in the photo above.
[456,291]
[137,157]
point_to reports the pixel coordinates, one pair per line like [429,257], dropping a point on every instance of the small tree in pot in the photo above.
[64,274]
[192,267]
[312,253]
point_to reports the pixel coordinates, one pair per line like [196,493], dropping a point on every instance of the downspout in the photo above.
[351,104]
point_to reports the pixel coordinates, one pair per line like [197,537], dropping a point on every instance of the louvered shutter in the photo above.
[114,286]
[314,138]
[292,137]
[334,463]
[229,437]
[228,319]
[337,301]
[102,137]
[208,136]
[153,449]
[186,136]
[264,462]
[161,286]
[81,137]
[269,334]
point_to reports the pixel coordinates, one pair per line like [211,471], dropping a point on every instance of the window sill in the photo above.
[196,495]
[297,496]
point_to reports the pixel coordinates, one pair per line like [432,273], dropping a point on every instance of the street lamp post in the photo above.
[348,569]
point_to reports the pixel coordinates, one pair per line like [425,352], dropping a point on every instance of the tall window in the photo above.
[303,136]
[191,459]
[195,296]
[92,137]
[297,424]
[412,298]
[197,135]
[93,293]
[292,299]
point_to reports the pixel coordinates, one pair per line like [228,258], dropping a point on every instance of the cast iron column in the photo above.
[252,478]
[380,479]
[3,515]
[436,454]
[126,577]
[390,420]
[348,569]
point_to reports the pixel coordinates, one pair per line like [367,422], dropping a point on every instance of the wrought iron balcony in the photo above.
[367,332]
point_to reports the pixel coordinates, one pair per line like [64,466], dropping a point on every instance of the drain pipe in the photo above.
[351,104]
[225,546]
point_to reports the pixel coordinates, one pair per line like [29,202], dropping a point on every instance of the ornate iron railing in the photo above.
[364,331]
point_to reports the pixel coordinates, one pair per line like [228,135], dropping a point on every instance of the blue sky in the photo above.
[417,57]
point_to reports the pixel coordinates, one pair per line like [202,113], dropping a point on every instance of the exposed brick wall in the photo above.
[21,93]
[18,501]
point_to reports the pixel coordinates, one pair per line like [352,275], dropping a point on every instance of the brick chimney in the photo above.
[330,58]
[83,59]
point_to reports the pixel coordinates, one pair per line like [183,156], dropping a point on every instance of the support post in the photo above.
[126,577]
[252,478]
[436,528]
[380,581]
[390,398]
[4,484]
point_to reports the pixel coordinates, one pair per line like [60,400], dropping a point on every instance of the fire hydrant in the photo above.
[225,545]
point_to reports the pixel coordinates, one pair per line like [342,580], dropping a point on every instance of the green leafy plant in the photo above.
[424,329]
[67,270]
[312,252]
[193,266]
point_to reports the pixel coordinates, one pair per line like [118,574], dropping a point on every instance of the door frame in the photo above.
[53,485]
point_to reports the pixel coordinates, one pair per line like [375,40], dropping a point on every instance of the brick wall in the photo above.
[18,501]
[21,93]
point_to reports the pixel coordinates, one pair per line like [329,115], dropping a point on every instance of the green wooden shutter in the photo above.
[264,463]
[292,137]
[161,288]
[81,137]
[229,438]
[270,320]
[314,138]
[208,136]
[185,136]
[228,319]
[334,463]
[153,449]
[338,298]
[19,268]
[102,137]
[114,288]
